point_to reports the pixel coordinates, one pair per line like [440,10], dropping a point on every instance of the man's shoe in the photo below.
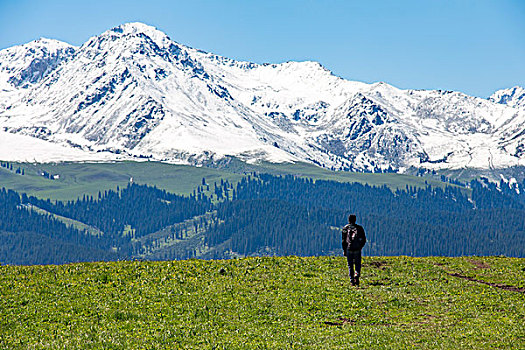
[352,282]
[356,281]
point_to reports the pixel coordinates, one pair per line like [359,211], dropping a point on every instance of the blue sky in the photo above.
[474,46]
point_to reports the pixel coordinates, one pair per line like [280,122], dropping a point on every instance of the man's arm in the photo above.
[363,236]
[344,243]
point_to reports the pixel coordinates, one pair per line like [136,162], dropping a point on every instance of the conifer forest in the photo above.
[261,215]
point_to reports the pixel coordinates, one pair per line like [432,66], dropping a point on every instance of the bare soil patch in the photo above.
[341,321]
[479,264]
[378,264]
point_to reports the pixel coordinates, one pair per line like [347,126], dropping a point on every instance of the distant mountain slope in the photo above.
[133,92]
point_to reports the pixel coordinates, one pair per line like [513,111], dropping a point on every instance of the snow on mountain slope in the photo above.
[24,148]
[24,65]
[133,92]
[513,97]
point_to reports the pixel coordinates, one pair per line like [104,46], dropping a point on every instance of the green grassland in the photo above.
[70,222]
[77,179]
[391,180]
[266,303]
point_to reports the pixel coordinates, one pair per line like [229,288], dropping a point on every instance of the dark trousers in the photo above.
[354,260]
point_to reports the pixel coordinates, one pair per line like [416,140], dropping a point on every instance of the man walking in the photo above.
[354,240]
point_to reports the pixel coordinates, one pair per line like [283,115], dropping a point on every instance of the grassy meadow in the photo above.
[266,303]
[76,179]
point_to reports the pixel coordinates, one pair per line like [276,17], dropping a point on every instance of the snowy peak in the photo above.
[46,44]
[143,49]
[141,29]
[138,27]
[513,97]
[130,34]
[24,65]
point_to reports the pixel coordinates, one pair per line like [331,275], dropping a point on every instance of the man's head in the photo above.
[352,219]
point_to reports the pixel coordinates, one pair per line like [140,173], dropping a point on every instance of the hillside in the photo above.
[250,214]
[266,303]
[70,180]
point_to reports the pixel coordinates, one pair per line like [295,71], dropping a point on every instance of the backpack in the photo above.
[351,235]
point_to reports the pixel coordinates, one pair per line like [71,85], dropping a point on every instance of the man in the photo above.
[354,240]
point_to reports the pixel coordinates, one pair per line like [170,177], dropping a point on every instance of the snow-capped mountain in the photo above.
[132,92]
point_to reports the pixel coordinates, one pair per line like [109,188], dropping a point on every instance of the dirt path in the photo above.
[492,284]
[341,321]
[481,265]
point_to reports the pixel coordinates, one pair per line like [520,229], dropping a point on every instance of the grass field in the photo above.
[266,303]
[77,179]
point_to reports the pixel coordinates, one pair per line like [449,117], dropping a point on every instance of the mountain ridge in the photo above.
[514,97]
[133,93]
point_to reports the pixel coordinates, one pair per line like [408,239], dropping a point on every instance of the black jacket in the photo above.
[358,242]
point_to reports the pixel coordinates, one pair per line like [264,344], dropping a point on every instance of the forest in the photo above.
[262,215]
